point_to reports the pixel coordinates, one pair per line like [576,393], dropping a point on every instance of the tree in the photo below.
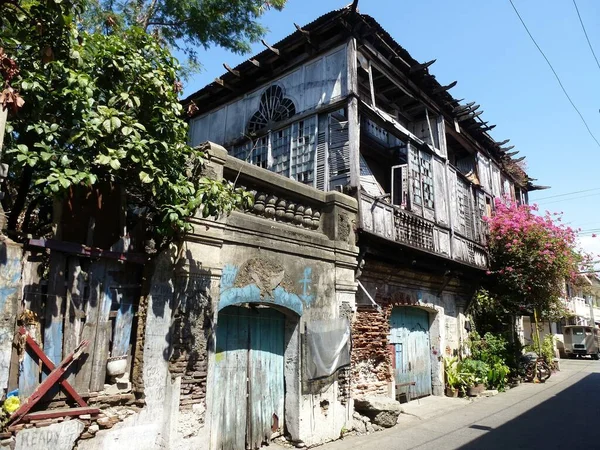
[531,257]
[186,24]
[100,108]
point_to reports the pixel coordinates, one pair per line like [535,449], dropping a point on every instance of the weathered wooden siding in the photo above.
[318,83]
[85,300]
[10,281]
[484,172]
[440,191]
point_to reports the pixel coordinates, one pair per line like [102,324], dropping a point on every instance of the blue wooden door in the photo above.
[249,385]
[409,334]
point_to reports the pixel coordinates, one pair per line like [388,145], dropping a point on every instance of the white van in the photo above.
[581,340]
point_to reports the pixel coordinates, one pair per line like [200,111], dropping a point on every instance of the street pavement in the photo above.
[562,413]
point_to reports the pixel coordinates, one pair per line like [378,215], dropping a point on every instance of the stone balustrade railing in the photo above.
[281,209]
[330,215]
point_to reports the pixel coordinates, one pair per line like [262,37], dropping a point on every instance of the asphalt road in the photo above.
[563,413]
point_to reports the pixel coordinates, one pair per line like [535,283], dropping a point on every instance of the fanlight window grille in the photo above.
[274,107]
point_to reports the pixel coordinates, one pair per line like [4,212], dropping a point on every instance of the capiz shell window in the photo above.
[289,151]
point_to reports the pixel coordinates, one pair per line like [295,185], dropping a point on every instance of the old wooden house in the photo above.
[370,183]
[340,106]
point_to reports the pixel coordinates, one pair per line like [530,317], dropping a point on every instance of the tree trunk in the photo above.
[17,206]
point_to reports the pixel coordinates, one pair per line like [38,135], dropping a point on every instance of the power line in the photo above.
[555,74]
[571,198]
[586,35]
[568,193]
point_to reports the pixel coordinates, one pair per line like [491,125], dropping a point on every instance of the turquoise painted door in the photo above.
[249,385]
[409,335]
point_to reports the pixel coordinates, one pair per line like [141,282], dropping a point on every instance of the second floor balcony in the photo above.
[396,224]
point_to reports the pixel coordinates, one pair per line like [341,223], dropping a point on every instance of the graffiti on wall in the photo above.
[261,280]
[10,283]
[306,283]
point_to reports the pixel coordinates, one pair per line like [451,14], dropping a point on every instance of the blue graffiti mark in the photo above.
[306,283]
[251,294]
[10,276]
[229,275]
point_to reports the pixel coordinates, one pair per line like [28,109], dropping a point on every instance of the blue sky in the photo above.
[482,44]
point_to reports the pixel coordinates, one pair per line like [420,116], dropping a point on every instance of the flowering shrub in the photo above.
[531,256]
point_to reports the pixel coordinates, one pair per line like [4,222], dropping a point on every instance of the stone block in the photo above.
[382,411]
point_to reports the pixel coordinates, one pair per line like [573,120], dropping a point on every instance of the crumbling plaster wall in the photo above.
[247,258]
[154,426]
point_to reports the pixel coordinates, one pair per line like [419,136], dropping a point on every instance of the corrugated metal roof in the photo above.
[283,42]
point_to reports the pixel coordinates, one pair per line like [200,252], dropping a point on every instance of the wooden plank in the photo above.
[74,313]
[100,356]
[10,284]
[440,192]
[104,330]
[34,347]
[29,379]
[354,142]
[63,412]
[53,326]
[123,322]
[229,411]
[371,86]
[96,277]
[352,67]
[47,384]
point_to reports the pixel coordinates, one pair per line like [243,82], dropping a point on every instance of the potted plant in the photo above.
[453,377]
[475,375]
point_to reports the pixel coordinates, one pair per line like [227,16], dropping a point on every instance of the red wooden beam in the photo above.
[53,378]
[50,365]
[38,415]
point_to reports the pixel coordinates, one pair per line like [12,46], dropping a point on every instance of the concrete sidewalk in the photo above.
[430,407]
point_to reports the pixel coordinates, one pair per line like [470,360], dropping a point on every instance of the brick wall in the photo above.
[371,357]
[371,362]
[191,325]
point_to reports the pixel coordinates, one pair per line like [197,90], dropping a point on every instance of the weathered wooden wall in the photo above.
[11,256]
[79,299]
[318,83]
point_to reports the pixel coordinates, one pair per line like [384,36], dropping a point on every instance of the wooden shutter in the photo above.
[496,182]
[415,187]
[483,167]
[400,185]
[465,209]
[441,129]
[368,182]
[440,191]
[339,148]
[321,169]
[480,213]
[453,197]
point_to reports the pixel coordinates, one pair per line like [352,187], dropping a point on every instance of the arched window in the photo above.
[274,107]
